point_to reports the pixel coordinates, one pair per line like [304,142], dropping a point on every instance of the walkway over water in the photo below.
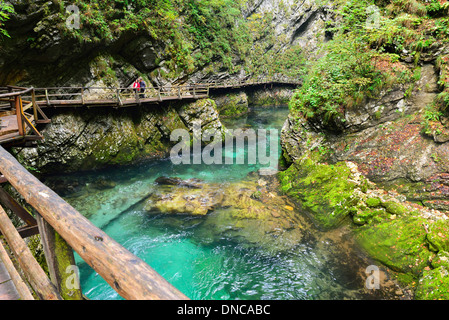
[62,229]
[17,125]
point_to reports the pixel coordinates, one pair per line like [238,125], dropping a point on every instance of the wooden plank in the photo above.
[127,274]
[19,284]
[10,138]
[18,105]
[27,106]
[10,203]
[32,270]
[31,126]
[8,291]
[28,231]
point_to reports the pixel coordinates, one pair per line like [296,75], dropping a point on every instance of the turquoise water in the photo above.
[207,257]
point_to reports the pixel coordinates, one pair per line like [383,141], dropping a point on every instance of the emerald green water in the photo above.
[208,257]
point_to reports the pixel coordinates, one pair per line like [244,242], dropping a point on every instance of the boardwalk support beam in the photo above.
[127,274]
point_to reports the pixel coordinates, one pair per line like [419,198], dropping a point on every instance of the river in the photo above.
[217,256]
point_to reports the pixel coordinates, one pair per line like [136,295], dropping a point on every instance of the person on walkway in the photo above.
[136,85]
[143,86]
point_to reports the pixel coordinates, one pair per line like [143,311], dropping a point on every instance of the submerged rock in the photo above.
[191,183]
[199,198]
[231,210]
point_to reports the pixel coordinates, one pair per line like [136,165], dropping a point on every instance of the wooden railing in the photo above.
[122,97]
[62,229]
[12,100]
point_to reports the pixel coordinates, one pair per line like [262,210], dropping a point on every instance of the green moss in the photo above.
[373,202]
[233,105]
[394,207]
[434,285]
[324,190]
[368,216]
[438,236]
[256,195]
[399,244]
[69,283]
[441,259]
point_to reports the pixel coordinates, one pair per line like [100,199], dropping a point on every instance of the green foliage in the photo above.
[210,35]
[5,10]
[340,80]
[361,60]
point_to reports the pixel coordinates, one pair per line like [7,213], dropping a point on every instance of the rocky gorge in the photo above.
[365,144]
[393,137]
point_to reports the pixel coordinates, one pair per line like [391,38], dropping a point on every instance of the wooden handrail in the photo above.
[127,274]
[33,271]
[20,285]
[15,94]
[119,96]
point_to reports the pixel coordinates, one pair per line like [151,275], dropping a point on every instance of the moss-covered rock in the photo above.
[276,96]
[433,285]
[394,207]
[441,259]
[368,216]
[232,104]
[87,139]
[399,243]
[438,236]
[323,189]
[373,202]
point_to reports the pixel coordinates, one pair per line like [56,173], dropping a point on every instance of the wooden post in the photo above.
[127,274]
[11,101]
[120,103]
[33,100]
[60,261]
[47,98]
[20,124]
[20,285]
[33,271]
[137,97]
[82,96]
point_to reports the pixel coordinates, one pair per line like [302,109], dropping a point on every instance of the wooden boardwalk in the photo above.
[17,127]
[63,231]
[131,277]
[8,290]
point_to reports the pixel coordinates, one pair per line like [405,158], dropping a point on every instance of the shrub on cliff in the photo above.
[373,49]
[5,10]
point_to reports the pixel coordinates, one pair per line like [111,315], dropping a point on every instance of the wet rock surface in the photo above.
[88,140]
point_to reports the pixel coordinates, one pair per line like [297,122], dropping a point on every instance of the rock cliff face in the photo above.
[385,138]
[377,161]
[41,51]
[92,139]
